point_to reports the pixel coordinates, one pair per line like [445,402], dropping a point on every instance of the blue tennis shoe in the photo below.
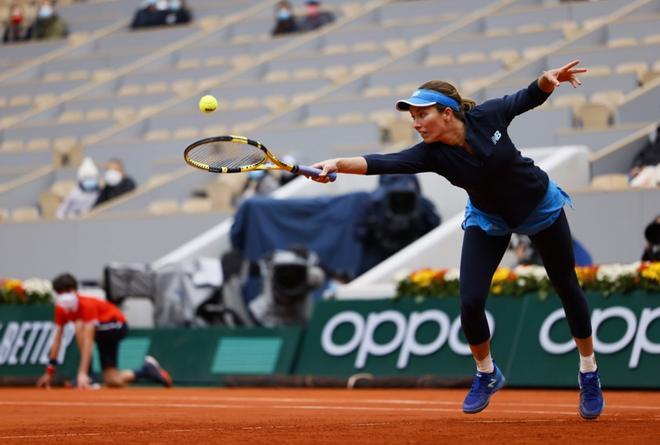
[483,387]
[591,395]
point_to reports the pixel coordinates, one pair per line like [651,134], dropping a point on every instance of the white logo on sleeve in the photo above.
[496,137]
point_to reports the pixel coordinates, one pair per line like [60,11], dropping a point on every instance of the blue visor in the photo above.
[425,98]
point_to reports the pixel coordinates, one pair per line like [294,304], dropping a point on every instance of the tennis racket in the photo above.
[237,154]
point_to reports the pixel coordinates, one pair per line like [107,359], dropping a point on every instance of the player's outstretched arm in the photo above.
[551,79]
[45,380]
[356,166]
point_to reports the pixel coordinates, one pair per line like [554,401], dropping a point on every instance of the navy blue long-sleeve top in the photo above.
[497,177]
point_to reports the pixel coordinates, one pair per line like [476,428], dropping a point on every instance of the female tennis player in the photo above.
[469,145]
[100,321]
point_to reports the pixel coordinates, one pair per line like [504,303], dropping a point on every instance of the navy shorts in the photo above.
[107,337]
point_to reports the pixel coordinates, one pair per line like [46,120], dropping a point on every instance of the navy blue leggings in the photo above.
[482,254]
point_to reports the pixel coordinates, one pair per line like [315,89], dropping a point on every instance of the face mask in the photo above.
[89,184]
[255,174]
[112,177]
[45,12]
[283,14]
[67,301]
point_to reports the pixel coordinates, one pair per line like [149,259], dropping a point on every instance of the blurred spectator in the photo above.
[645,168]
[178,12]
[314,16]
[652,235]
[523,249]
[116,182]
[527,255]
[82,198]
[160,13]
[259,182]
[288,277]
[48,24]
[15,29]
[396,215]
[285,21]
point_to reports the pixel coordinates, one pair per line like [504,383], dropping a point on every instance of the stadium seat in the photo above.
[507,56]
[38,144]
[159,134]
[276,76]
[651,39]
[593,115]
[336,74]
[621,42]
[574,101]
[351,117]
[306,73]
[439,60]
[317,121]
[12,145]
[610,181]
[640,68]
[196,205]
[187,133]
[24,214]
[97,114]
[67,155]
[610,98]
[471,57]
[163,207]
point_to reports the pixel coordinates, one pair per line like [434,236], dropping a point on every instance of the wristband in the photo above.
[50,369]
[52,361]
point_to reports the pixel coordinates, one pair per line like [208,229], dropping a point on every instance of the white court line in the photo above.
[376,401]
[271,427]
[105,433]
[302,407]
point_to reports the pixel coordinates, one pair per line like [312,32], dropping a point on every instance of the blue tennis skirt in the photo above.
[541,217]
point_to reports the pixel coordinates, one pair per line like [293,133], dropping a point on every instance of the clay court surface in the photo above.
[327,416]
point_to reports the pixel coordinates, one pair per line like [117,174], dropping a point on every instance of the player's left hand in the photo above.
[82,381]
[566,73]
[44,381]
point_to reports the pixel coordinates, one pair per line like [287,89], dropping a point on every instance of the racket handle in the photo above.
[315,172]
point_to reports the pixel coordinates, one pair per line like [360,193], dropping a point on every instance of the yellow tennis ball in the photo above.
[208,104]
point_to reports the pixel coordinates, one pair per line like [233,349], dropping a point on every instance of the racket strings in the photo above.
[229,155]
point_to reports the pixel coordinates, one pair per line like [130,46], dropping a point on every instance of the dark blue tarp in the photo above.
[325,225]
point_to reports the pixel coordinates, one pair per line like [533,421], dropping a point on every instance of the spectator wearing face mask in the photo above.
[177,13]
[116,182]
[48,24]
[152,13]
[285,21]
[315,17]
[82,198]
[15,29]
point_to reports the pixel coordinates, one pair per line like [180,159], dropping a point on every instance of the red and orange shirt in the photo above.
[90,309]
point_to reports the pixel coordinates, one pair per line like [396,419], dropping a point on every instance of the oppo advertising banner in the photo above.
[530,340]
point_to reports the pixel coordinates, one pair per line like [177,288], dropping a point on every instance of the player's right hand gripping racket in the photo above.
[237,154]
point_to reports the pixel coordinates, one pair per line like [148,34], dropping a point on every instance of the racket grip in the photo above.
[315,172]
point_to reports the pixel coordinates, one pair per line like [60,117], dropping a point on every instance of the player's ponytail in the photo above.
[449,90]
